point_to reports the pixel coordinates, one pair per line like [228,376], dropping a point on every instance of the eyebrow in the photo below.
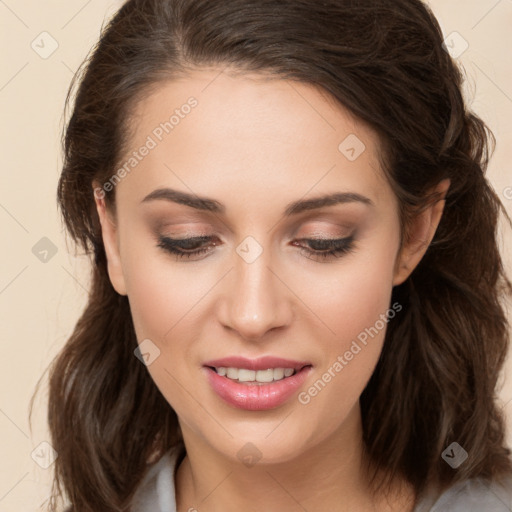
[294,208]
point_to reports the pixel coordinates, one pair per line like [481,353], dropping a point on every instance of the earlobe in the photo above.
[110,242]
[421,232]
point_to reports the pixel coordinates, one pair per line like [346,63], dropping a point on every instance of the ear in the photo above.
[110,238]
[421,233]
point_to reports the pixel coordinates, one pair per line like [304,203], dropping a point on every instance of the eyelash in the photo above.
[336,247]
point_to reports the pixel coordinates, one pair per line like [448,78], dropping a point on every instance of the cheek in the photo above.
[354,306]
[352,295]
[159,290]
[162,302]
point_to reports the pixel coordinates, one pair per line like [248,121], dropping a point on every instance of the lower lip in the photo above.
[256,397]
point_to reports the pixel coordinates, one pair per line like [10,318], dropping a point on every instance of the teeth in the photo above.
[232,373]
[243,375]
[278,373]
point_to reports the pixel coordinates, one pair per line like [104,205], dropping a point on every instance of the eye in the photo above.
[319,248]
[323,249]
[184,247]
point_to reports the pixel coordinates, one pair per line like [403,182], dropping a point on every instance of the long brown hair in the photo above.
[435,382]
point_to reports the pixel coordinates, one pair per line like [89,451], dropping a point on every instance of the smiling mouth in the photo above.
[255,377]
[267,384]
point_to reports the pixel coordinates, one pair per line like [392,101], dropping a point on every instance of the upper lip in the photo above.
[262,363]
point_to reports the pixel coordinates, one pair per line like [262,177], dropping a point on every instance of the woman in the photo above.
[296,293]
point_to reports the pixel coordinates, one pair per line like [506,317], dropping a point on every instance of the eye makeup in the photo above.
[319,249]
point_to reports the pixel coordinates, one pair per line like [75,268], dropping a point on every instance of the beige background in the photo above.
[41,301]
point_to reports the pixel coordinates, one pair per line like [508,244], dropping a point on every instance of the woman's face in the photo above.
[237,154]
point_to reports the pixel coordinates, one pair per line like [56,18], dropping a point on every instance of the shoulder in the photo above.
[156,493]
[476,495]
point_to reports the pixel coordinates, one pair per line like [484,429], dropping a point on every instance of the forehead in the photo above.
[211,127]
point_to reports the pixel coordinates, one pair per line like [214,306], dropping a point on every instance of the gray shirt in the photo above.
[156,492]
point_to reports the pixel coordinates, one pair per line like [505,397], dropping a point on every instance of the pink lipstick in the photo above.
[256,384]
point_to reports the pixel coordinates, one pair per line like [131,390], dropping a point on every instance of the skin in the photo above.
[255,145]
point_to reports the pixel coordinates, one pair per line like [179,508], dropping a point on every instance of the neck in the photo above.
[327,476]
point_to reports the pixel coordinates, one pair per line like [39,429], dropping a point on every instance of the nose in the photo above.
[256,299]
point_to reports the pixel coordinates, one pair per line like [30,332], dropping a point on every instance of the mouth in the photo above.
[256,385]
[255,377]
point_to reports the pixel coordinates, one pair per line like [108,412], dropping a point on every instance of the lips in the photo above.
[262,363]
[259,397]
